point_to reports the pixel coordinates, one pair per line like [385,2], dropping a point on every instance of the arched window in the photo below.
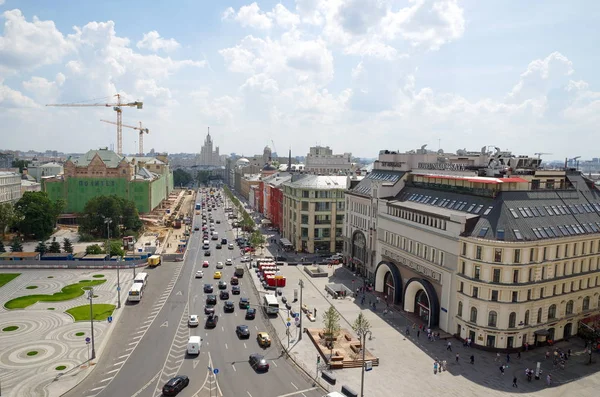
[586,303]
[512,320]
[539,316]
[569,308]
[473,315]
[492,318]
[552,312]
[526,320]
[460,305]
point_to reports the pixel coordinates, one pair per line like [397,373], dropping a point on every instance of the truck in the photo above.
[239,271]
[154,261]
[194,345]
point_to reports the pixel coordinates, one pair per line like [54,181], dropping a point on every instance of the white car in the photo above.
[193,321]
[229,262]
[219,265]
[199,274]
[244,259]
[230,246]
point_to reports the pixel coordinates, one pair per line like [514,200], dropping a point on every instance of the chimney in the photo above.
[289,167]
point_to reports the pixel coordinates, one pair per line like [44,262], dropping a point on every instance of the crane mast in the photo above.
[141,129]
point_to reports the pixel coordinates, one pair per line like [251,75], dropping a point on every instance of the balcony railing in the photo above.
[455,189]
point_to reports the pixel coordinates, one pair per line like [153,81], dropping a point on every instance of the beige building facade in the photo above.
[10,187]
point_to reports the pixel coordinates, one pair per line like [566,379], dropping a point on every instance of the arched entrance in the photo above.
[568,331]
[359,252]
[420,298]
[388,281]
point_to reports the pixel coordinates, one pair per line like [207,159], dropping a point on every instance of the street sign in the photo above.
[288,324]
[87,340]
[368,365]
[118,288]
[288,319]
[216,371]
[297,315]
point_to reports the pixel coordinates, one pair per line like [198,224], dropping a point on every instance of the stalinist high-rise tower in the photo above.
[207,155]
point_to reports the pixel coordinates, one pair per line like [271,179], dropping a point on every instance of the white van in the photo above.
[194,345]
[334,394]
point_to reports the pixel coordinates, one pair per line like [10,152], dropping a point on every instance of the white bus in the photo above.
[141,278]
[136,292]
[270,304]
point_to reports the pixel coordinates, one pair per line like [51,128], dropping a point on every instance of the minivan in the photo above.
[206,245]
[194,345]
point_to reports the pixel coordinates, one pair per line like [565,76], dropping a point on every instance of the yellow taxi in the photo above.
[263,339]
[217,275]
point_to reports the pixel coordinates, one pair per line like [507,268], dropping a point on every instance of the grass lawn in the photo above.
[101,312]
[5,278]
[69,292]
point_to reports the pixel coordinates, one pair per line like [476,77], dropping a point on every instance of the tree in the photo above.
[36,214]
[16,245]
[41,248]
[331,324]
[202,177]
[363,328]
[115,248]
[2,248]
[54,247]
[7,216]
[257,239]
[181,178]
[93,249]
[20,164]
[67,246]
[118,210]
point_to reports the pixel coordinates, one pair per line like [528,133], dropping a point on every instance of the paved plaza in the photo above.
[51,332]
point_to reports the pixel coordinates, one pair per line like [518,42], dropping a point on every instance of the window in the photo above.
[539,315]
[497,275]
[461,286]
[528,294]
[498,255]
[532,255]
[464,249]
[492,319]
[463,267]
[500,234]
[526,320]
[515,276]
[515,296]
[569,308]
[305,206]
[518,234]
[478,253]
[517,256]
[304,219]
[305,193]
[512,320]
[477,272]
[483,232]
[475,292]
[460,307]
[586,303]
[552,312]
[494,296]
[473,317]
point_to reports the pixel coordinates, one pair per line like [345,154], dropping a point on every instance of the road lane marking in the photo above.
[248,393]
[233,366]
[132,343]
[107,379]
[124,355]
[119,363]
[110,372]
[275,364]
[295,387]
[226,346]
[96,388]
[298,392]
[147,384]
[139,332]
[245,347]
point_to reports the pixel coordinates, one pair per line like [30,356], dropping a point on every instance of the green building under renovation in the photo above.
[144,180]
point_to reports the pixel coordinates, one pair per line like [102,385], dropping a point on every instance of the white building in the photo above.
[321,160]
[10,187]
[208,156]
[47,169]
[30,186]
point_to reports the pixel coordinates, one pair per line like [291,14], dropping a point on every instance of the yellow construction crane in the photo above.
[116,107]
[140,129]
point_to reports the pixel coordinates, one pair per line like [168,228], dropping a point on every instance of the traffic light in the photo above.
[318,359]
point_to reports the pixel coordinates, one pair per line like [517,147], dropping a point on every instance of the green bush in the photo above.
[69,292]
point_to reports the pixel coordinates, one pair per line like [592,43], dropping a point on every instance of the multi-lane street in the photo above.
[149,346]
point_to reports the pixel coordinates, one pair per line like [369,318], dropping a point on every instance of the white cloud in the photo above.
[251,16]
[27,45]
[358,71]
[284,17]
[261,83]
[10,98]
[153,41]
[150,88]
[43,90]
[228,14]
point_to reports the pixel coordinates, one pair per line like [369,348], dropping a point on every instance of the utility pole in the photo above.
[91,298]
[108,221]
[301,284]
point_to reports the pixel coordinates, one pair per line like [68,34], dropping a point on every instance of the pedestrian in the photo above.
[569,353]
[519,354]
[457,357]
[444,365]
[407,330]
[502,370]
[548,379]
[472,359]
[418,333]
[507,358]
[497,357]
[449,347]
[515,382]
[435,367]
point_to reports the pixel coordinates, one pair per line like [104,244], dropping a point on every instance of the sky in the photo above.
[359,76]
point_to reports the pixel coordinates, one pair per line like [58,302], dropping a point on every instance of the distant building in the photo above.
[10,187]
[321,160]
[208,156]
[144,180]
[6,160]
[30,186]
[47,169]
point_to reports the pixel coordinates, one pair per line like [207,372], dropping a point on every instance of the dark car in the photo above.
[250,313]
[211,321]
[218,221]
[235,280]
[218,246]
[224,295]
[224,241]
[258,363]
[175,385]
[207,253]
[229,307]
[209,309]
[222,284]
[211,299]
[235,290]
[196,228]
[244,303]
[242,331]
[208,288]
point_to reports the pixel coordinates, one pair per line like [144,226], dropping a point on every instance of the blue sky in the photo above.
[357,75]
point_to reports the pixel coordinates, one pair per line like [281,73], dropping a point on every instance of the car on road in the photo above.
[230,246]
[250,313]
[218,221]
[229,307]
[245,259]
[211,321]
[244,303]
[199,274]
[196,228]
[218,246]
[193,320]
[235,289]
[263,339]
[219,265]
[209,309]
[224,295]
[214,237]
[222,284]
[242,331]
[205,264]
[208,288]
[228,261]
[207,253]
[224,241]
[175,385]
[217,275]
[258,363]
[211,299]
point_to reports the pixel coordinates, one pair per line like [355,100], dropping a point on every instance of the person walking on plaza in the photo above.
[449,347]
[515,382]
[507,358]
[472,359]
[502,369]
[457,357]
[418,333]
[548,379]
[497,357]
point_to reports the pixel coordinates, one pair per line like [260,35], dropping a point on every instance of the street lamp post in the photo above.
[301,284]
[91,298]
[108,221]
[363,328]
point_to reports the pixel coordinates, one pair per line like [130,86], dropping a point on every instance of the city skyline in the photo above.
[406,73]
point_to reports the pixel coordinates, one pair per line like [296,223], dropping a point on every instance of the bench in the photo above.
[348,337]
[346,391]
[356,348]
[329,377]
